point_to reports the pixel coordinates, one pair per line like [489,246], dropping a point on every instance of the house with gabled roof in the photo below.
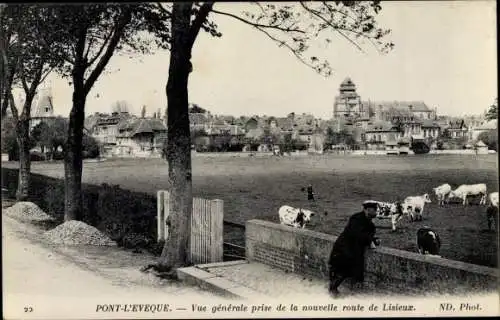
[457,129]
[140,137]
[379,132]
[104,127]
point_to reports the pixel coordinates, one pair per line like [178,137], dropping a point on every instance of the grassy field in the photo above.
[257,187]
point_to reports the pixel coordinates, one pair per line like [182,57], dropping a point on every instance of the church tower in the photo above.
[348,102]
[44,108]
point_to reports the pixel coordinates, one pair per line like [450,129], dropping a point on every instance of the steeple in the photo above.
[347,86]
[45,106]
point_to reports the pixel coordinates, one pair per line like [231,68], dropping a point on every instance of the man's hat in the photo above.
[370,204]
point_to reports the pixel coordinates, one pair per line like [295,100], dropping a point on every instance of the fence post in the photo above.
[160,218]
[166,213]
[216,234]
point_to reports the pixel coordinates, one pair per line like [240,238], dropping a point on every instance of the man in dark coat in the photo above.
[310,193]
[347,259]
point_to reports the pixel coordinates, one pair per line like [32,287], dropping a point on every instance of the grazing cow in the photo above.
[466,190]
[492,216]
[389,210]
[294,217]
[441,192]
[414,206]
[494,199]
[428,241]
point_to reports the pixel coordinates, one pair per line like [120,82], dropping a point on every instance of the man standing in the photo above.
[347,259]
[310,193]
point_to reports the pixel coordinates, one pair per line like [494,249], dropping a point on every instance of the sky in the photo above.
[444,54]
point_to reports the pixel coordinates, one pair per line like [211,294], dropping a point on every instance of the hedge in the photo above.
[125,216]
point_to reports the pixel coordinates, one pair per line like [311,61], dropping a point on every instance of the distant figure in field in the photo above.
[492,216]
[347,259]
[310,193]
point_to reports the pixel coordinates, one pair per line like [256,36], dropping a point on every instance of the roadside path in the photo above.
[54,287]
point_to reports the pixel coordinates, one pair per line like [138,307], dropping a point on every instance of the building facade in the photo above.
[348,103]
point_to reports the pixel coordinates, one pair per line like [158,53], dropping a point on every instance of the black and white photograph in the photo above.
[237,159]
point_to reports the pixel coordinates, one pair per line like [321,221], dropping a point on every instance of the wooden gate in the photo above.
[206,227]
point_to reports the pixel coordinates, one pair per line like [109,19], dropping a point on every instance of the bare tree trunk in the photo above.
[23,185]
[176,250]
[73,156]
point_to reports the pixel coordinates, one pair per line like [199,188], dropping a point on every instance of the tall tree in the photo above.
[492,112]
[143,112]
[291,26]
[50,135]
[87,37]
[27,63]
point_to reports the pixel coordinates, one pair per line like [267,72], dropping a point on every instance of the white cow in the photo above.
[494,199]
[414,206]
[441,192]
[389,210]
[466,190]
[294,217]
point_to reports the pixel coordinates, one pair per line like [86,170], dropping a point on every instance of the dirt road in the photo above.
[39,283]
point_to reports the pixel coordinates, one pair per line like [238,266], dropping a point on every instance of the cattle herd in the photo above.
[428,241]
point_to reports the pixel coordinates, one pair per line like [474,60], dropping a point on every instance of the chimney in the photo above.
[378,114]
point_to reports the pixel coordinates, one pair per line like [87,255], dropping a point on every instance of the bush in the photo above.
[490,138]
[125,216]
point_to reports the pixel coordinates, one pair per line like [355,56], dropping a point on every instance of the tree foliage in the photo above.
[25,61]
[51,134]
[86,37]
[197,109]
[490,138]
[492,112]
[295,26]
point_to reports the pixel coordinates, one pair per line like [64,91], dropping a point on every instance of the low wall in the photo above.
[306,252]
[459,151]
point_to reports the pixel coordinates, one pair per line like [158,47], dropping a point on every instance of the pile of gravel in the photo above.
[78,233]
[27,212]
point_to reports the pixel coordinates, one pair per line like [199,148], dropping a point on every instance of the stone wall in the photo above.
[306,252]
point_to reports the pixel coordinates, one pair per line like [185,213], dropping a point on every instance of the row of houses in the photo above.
[383,124]
[372,125]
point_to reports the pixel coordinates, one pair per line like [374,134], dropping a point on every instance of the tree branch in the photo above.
[283,43]
[101,49]
[13,108]
[336,28]
[120,27]
[333,11]
[201,17]
[23,79]
[46,74]
[254,24]
[165,11]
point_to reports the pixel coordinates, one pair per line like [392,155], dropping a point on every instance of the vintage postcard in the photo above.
[249,159]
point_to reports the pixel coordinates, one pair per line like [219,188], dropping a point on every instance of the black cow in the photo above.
[428,241]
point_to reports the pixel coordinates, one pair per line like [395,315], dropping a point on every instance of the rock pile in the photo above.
[78,233]
[27,212]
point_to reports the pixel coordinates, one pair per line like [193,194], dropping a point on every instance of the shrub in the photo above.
[125,216]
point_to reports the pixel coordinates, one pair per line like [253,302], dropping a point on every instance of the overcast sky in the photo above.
[445,55]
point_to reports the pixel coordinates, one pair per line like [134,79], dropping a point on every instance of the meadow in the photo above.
[255,187]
